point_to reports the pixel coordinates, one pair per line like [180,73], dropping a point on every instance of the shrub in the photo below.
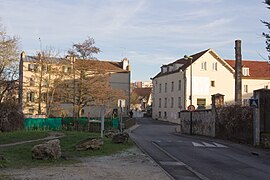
[10,118]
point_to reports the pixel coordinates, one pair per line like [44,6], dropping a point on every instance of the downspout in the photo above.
[185,89]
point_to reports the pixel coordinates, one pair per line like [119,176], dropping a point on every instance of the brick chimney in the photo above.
[238,73]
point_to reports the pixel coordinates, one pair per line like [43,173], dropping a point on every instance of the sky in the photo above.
[149,33]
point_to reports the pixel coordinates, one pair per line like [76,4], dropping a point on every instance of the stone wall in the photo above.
[203,122]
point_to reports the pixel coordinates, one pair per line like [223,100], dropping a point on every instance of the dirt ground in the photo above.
[131,164]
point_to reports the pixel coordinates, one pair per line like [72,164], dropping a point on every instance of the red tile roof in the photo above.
[257,69]
[143,92]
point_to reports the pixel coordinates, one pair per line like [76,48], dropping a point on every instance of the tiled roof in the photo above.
[257,69]
[143,92]
[90,64]
[183,61]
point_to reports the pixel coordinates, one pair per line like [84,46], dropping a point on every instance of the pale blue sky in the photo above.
[148,32]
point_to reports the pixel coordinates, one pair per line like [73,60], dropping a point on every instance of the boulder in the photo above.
[120,138]
[48,150]
[111,133]
[90,143]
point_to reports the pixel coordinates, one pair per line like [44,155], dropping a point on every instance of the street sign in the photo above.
[121,103]
[191,108]
[254,103]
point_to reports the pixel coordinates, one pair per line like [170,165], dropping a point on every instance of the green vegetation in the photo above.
[17,136]
[20,155]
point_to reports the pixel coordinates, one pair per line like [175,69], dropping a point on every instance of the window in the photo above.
[246,88]
[30,96]
[165,102]
[172,102]
[179,85]
[32,81]
[82,112]
[168,69]
[44,97]
[30,67]
[159,88]
[203,66]
[201,103]
[179,102]
[33,67]
[31,111]
[159,114]
[212,83]
[214,66]
[245,71]
[165,87]
[165,115]
[44,67]
[159,103]
[266,87]
[172,86]
[179,114]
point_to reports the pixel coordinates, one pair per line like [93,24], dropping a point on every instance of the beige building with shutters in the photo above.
[36,79]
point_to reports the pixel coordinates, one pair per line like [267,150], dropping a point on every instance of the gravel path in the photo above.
[131,164]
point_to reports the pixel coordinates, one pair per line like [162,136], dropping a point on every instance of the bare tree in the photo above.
[267,35]
[9,53]
[84,50]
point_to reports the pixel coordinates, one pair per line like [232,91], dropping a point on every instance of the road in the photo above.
[195,157]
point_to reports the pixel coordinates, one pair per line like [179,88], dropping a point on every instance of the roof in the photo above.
[257,69]
[89,63]
[186,63]
[142,93]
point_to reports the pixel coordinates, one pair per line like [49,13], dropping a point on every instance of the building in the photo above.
[142,84]
[209,74]
[141,98]
[40,77]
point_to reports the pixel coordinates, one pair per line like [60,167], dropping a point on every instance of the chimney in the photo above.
[125,63]
[20,102]
[238,73]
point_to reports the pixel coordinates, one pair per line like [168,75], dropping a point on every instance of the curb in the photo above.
[170,176]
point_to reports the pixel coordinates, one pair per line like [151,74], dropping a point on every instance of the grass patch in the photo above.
[20,155]
[17,136]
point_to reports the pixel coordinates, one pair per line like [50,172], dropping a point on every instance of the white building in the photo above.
[210,75]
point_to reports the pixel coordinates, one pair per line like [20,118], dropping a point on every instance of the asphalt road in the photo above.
[196,157]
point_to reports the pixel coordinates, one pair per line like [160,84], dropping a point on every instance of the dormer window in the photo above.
[245,71]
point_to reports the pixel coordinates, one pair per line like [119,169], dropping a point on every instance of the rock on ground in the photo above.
[131,165]
[47,150]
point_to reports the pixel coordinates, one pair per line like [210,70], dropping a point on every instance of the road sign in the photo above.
[254,103]
[191,108]
[121,103]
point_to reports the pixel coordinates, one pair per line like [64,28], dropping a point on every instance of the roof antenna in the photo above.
[40,44]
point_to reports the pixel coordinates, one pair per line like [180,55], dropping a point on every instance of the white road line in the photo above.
[220,145]
[197,144]
[208,145]
[172,163]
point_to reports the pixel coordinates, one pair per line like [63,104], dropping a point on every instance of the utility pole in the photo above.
[190,96]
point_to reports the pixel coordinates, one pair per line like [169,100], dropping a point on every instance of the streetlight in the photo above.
[190,96]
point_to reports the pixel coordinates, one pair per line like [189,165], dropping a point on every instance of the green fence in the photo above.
[43,123]
[69,123]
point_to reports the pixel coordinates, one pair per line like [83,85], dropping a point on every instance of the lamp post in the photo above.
[190,96]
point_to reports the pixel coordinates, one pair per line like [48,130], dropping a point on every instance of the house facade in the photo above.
[39,77]
[209,74]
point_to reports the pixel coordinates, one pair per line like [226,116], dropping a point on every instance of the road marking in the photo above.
[220,145]
[197,144]
[172,163]
[208,145]
[199,175]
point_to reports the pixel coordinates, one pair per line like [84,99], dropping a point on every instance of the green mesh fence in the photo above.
[68,123]
[43,123]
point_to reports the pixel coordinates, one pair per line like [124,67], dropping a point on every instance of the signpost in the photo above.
[121,104]
[254,103]
[191,108]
